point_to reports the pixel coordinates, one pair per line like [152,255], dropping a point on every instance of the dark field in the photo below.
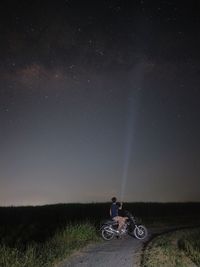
[24,225]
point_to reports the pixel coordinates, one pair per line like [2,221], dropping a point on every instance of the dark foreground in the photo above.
[24,227]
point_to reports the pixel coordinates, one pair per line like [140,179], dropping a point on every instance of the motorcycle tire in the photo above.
[140,232]
[106,235]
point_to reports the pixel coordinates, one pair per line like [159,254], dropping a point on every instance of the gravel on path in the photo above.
[115,253]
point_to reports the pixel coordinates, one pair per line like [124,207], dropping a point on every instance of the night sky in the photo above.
[99,99]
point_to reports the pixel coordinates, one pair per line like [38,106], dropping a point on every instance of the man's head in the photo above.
[114,199]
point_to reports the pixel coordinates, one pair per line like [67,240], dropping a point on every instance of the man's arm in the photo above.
[121,204]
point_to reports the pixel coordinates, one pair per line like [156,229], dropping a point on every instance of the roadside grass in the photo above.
[47,254]
[176,249]
[190,244]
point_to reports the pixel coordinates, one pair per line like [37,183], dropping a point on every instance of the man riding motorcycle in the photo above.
[116,213]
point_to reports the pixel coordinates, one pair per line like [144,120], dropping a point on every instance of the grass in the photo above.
[190,244]
[47,254]
[177,249]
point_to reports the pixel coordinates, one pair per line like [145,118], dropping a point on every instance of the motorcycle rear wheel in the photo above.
[106,235]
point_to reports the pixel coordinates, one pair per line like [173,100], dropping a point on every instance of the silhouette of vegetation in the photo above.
[42,234]
[26,224]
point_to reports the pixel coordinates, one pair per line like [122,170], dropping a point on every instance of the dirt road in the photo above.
[123,252]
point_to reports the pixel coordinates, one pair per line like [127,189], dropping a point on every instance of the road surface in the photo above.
[124,252]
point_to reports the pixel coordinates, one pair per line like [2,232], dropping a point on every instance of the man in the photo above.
[114,213]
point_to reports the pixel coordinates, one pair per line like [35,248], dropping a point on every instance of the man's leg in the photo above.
[120,222]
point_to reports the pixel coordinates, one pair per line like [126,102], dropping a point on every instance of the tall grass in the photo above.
[190,244]
[177,249]
[61,245]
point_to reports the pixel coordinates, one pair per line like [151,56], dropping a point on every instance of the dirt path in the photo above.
[116,253]
[125,252]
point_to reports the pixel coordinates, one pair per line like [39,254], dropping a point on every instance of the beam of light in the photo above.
[136,76]
[128,146]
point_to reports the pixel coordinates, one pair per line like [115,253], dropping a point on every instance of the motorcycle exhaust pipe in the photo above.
[112,231]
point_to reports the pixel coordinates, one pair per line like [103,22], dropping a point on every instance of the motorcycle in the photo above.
[109,230]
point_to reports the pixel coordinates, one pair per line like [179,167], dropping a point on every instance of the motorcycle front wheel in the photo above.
[140,232]
[106,234]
